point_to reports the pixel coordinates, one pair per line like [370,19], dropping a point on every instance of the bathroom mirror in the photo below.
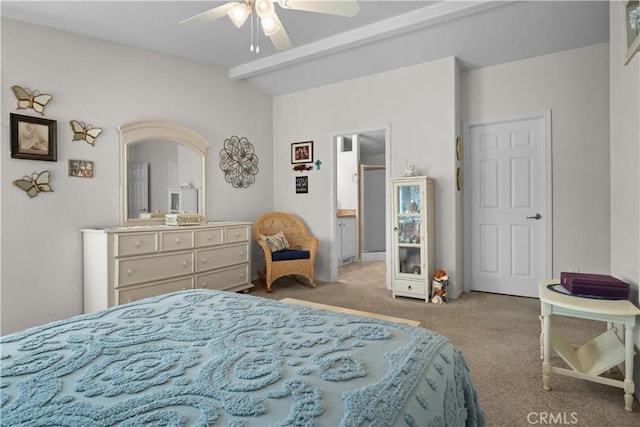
[157,161]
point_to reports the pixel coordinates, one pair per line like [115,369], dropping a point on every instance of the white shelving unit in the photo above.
[413,236]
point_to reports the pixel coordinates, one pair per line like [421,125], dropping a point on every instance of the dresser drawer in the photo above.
[209,237]
[224,279]
[406,287]
[151,290]
[135,244]
[236,234]
[174,240]
[207,259]
[144,269]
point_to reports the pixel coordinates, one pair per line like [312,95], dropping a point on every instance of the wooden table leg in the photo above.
[628,368]
[546,365]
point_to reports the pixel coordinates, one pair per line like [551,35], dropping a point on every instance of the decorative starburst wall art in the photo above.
[238,162]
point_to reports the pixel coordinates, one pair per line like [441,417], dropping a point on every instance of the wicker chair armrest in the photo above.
[309,243]
[265,249]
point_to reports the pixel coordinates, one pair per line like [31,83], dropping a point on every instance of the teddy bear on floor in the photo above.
[439,287]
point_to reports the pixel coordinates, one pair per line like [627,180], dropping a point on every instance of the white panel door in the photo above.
[138,188]
[509,206]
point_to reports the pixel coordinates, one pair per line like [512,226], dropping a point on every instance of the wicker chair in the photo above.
[297,261]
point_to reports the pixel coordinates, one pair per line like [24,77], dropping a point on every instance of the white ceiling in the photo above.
[326,48]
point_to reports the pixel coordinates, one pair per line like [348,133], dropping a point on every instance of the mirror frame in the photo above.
[133,133]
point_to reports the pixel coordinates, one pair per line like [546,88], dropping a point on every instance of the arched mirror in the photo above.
[162,170]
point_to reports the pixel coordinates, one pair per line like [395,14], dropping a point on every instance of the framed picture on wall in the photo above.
[81,168]
[33,138]
[632,28]
[302,152]
[302,184]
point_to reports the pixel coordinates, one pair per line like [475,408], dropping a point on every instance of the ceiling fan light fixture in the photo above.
[270,26]
[264,8]
[239,14]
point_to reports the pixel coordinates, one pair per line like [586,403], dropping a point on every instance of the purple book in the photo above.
[595,285]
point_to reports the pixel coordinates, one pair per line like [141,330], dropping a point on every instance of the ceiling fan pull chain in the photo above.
[251,48]
[257,35]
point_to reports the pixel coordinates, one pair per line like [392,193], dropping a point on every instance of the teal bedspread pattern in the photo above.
[202,358]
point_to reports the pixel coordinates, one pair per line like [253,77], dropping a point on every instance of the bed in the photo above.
[201,358]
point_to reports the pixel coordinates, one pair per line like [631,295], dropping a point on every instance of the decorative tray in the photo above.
[183,219]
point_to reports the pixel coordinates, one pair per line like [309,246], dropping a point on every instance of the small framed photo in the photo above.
[302,152]
[33,138]
[632,26]
[81,168]
[302,184]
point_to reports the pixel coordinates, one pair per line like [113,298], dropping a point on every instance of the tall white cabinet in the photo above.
[413,246]
[182,200]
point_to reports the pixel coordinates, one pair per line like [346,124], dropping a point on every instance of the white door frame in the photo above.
[333,262]
[546,115]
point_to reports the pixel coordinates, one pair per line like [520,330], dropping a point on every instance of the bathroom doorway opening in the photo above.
[362,194]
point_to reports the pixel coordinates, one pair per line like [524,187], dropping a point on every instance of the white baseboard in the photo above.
[374,256]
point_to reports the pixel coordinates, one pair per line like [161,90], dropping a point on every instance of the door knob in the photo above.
[536,216]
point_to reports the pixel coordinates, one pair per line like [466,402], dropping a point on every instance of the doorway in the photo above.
[372,184]
[362,188]
[508,239]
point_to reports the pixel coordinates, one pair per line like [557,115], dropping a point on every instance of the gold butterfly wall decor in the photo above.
[34,184]
[82,132]
[28,99]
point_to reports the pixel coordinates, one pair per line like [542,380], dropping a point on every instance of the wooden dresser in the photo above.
[124,264]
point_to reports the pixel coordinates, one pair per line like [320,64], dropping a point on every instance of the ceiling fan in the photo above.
[238,12]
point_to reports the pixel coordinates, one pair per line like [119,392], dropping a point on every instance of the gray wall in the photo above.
[574,85]
[107,85]
[625,165]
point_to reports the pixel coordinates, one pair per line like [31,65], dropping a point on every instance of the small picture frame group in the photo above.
[302,184]
[33,138]
[81,168]
[302,152]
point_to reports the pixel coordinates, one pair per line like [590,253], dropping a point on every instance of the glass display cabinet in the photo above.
[182,200]
[413,231]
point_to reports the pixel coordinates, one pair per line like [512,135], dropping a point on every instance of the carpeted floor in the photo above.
[500,338]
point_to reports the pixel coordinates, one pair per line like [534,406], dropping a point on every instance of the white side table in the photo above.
[607,350]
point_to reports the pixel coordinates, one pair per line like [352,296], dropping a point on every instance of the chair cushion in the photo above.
[278,242]
[289,254]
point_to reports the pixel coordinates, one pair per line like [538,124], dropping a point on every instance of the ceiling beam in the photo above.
[434,14]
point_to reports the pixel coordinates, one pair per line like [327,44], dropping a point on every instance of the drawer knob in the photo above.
[204,260]
[242,275]
[242,253]
[237,234]
[139,244]
[210,237]
[178,240]
[130,271]
[204,285]
[409,287]
[185,263]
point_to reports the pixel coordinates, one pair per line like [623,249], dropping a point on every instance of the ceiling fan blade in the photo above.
[332,7]
[209,15]
[280,39]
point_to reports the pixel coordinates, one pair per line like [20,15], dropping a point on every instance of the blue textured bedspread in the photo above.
[202,358]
